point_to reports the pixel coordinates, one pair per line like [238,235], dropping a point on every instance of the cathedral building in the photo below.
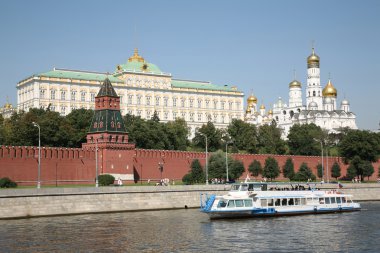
[143,89]
[320,109]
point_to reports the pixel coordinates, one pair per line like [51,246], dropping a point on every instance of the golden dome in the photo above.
[294,84]
[252,99]
[270,112]
[313,58]
[329,90]
[248,110]
[136,57]
[262,107]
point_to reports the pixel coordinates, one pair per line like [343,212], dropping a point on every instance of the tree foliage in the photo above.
[304,173]
[271,168]
[214,137]
[288,169]
[235,169]
[304,139]
[335,170]
[255,168]
[367,169]
[196,174]
[319,170]
[269,138]
[244,135]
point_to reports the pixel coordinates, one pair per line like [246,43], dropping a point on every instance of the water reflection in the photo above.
[192,231]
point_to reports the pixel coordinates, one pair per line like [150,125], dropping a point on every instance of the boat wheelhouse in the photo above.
[250,199]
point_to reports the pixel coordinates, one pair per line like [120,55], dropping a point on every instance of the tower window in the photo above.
[313,93]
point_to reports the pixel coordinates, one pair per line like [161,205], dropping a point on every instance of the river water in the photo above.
[191,231]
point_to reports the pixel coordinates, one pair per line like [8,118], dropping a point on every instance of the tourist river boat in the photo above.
[252,199]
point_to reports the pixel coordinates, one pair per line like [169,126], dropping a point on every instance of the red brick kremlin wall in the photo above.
[66,165]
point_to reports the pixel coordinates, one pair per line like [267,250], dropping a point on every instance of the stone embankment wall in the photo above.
[66,201]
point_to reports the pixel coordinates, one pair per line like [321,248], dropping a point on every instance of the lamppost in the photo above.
[96,163]
[39,155]
[321,156]
[327,161]
[206,159]
[228,142]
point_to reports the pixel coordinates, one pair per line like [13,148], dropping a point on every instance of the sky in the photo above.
[255,45]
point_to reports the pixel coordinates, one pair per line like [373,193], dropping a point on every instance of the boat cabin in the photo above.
[243,187]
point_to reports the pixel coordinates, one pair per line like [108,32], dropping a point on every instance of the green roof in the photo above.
[107,90]
[135,66]
[200,85]
[107,121]
[74,74]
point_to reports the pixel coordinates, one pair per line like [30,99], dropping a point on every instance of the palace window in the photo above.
[73,94]
[199,116]
[139,99]
[174,102]
[92,97]
[63,110]
[222,105]
[52,94]
[83,96]
[182,102]
[207,103]
[174,115]
[166,101]
[148,114]
[230,105]
[215,104]
[237,105]
[215,118]
[130,99]
[191,116]
[130,112]
[183,115]
[139,113]
[191,102]
[199,103]
[147,100]
[63,95]
[157,100]
[166,115]
[42,93]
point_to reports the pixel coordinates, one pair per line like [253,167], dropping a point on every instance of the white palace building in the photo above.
[143,89]
[321,105]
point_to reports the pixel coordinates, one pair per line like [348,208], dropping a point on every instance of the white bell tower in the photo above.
[314,88]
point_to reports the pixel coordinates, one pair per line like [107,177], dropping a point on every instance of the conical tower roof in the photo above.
[107,89]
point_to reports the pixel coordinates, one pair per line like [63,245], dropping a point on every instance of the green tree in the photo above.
[269,138]
[255,168]
[213,134]
[244,135]
[304,173]
[367,169]
[288,169]
[351,171]
[155,117]
[319,170]
[196,174]
[271,168]
[235,168]
[302,139]
[217,165]
[77,124]
[335,170]
[177,132]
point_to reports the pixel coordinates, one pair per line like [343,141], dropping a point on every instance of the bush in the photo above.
[106,179]
[7,183]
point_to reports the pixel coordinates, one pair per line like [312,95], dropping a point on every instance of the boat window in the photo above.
[327,200]
[244,187]
[264,187]
[333,200]
[344,200]
[231,203]
[235,187]
[250,187]
[321,200]
[222,203]
[315,199]
[284,202]
[248,202]
[270,202]
[277,202]
[297,202]
[303,201]
[263,202]
[291,202]
[338,200]
[309,200]
[239,203]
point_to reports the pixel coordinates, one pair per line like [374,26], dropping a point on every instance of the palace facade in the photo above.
[143,89]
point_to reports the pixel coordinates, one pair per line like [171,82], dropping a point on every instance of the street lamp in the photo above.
[161,169]
[39,155]
[321,155]
[228,142]
[96,163]
[206,159]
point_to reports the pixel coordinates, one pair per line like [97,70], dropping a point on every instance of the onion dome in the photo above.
[294,84]
[262,107]
[345,102]
[252,99]
[313,60]
[248,110]
[329,90]
[270,112]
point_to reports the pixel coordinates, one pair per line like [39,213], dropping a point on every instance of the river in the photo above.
[189,230]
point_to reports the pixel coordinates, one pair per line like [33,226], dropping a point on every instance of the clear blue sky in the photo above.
[252,44]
